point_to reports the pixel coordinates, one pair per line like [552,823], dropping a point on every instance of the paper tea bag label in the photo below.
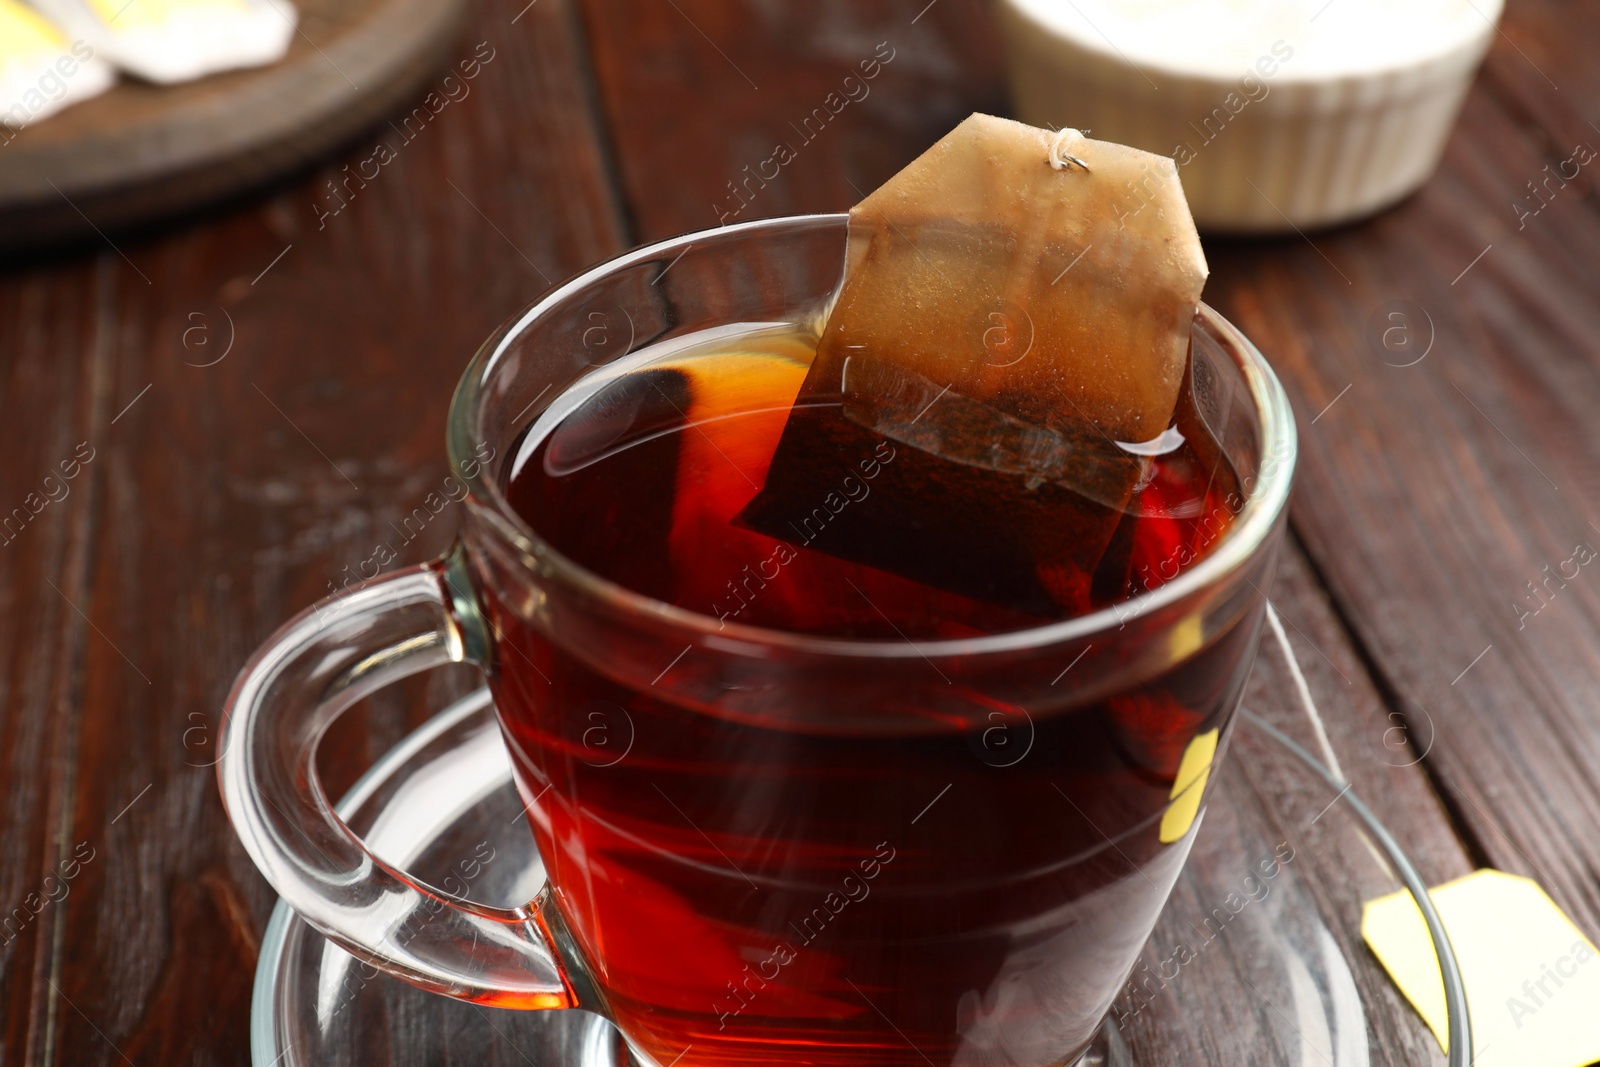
[1016,307]
[1532,978]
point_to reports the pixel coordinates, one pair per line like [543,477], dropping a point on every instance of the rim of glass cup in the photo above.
[1251,527]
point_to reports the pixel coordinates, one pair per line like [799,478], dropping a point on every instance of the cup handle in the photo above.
[309,672]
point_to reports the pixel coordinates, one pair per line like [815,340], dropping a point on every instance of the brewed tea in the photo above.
[907,888]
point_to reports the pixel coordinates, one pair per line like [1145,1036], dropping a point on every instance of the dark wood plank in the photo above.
[225,497]
[700,95]
[53,380]
[1542,71]
[1432,495]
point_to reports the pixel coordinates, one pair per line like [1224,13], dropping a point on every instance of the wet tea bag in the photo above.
[1013,327]
[169,41]
[41,71]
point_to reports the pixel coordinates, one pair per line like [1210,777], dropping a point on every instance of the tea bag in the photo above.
[1014,326]
[167,41]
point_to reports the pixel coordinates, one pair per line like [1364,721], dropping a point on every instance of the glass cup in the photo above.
[763,846]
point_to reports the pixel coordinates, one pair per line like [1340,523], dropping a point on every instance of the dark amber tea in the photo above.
[653,478]
[897,879]
[865,628]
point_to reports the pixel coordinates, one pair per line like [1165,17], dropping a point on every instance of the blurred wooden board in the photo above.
[141,151]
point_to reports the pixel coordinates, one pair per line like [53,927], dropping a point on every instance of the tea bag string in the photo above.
[1057,157]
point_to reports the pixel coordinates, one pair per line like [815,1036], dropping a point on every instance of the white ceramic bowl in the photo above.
[1281,114]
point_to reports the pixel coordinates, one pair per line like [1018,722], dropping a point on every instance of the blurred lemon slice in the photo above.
[41,70]
[176,40]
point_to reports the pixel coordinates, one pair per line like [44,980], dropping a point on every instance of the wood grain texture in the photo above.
[139,150]
[266,393]
[700,94]
[55,368]
[1444,501]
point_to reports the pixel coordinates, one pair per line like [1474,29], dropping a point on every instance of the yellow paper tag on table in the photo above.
[1532,978]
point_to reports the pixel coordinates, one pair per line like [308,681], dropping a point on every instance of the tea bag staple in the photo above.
[1016,305]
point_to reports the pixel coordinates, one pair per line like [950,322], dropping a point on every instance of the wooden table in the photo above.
[247,399]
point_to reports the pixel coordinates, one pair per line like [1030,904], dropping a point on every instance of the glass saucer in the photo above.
[1243,968]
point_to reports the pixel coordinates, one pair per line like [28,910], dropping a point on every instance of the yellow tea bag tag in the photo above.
[1532,978]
